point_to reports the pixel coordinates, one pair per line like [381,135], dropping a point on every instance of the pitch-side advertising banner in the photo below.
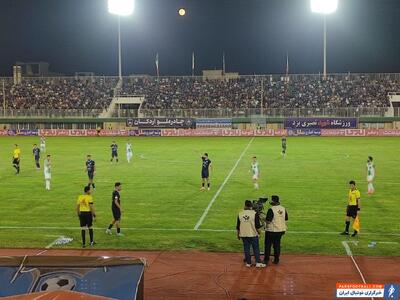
[321,123]
[206,132]
[25,132]
[160,122]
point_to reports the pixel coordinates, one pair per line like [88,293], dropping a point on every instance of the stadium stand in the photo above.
[61,93]
[300,91]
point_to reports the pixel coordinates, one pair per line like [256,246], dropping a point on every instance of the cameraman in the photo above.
[248,226]
[275,229]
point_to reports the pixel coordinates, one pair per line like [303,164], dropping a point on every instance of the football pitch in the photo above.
[164,209]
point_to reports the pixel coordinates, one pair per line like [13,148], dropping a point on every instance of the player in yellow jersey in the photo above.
[16,158]
[86,214]
[353,207]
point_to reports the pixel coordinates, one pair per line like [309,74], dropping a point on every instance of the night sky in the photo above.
[80,35]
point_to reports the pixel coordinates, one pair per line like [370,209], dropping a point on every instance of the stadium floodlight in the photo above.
[324,7]
[120,8]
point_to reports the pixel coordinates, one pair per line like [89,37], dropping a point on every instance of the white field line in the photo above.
[203,216]
[48,246]
[350,254]
[53,243]
[391,243]
[189,230]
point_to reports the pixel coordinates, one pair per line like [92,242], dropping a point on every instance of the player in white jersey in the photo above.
[47,171]
[370,175]
[42,144]
[255,170]
[129,152]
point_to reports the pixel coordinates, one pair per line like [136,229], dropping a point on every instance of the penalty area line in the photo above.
[204,215]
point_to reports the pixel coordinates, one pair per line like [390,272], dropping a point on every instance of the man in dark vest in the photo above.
[275,229]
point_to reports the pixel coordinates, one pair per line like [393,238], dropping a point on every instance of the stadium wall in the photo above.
[219,132]
[21,124]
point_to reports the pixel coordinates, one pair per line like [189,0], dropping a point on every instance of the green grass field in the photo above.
[162,202]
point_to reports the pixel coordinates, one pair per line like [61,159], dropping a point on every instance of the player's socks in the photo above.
[370,188]
[91,235]
[208,185]
[110,226]
[83,234]
[93,185]
[256,186]
[347,226]
[202,184]
[118,230]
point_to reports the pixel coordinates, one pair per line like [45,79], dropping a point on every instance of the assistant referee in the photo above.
[16,158]
[353,207]
[86,214]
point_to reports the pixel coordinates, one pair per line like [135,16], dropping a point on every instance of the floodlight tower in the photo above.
[120,8]
[324,7]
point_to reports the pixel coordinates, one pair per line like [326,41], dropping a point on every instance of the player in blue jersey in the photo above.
[91,170]
[36,154]
[205,172]
[114,151]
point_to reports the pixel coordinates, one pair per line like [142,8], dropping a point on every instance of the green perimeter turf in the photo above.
[162,202]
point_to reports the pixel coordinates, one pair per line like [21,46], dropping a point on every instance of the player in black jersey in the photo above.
[283,146]
[91,170]
[114,151]
[36,154]
[205,172]
[116,209]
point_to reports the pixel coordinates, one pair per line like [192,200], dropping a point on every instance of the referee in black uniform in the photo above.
[116,210]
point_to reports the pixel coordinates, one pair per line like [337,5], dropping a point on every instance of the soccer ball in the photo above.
[61,282]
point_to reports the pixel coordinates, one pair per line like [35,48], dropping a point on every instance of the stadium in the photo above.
[187,154]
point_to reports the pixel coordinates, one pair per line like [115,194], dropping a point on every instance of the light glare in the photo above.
[121,7]
[324,6]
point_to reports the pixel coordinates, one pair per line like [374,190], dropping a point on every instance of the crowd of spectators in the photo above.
[197,93]
[256,91]
[361,92]
[58,93]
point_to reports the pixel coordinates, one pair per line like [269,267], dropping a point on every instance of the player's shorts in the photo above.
[47,176]
[255,176]
[204,174]
[90,175]
[86,219]
[370,178]
[16,161]
[352,211]
[37,158]
[116,213]
[114,154]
